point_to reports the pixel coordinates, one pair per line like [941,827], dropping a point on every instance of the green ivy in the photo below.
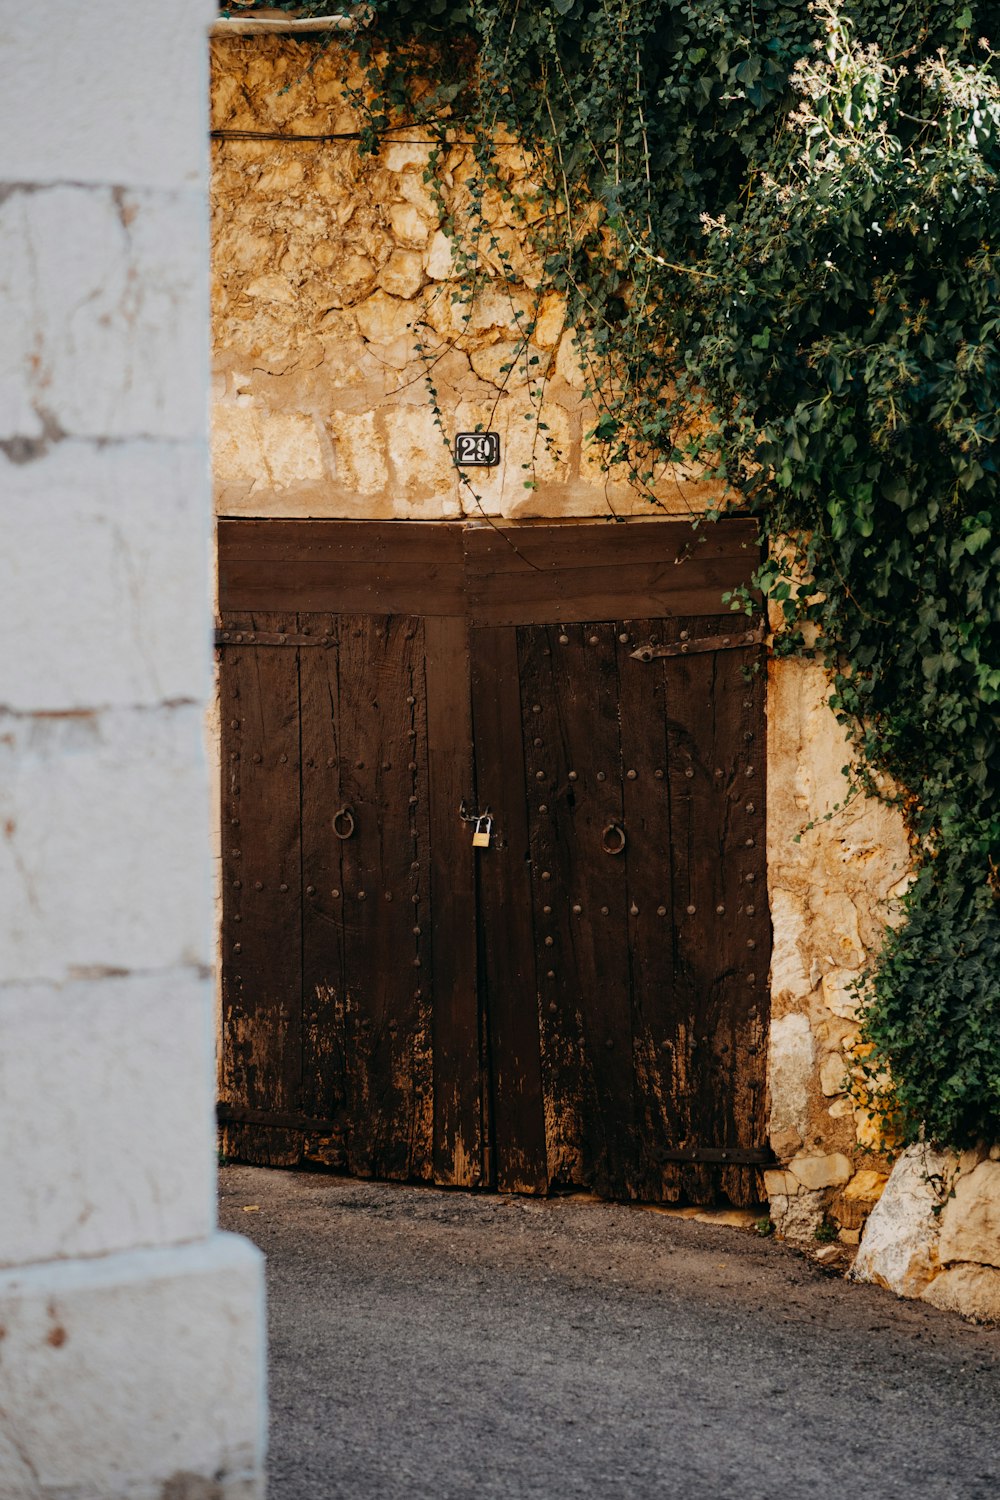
[783,220]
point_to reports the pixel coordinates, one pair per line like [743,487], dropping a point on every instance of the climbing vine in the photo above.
[775,227]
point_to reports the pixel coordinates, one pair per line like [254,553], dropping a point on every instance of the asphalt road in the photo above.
[455,1347]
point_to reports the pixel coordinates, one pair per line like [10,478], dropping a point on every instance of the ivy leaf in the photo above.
[748,72]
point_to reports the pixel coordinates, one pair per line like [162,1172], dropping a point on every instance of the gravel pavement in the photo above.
[462,1347]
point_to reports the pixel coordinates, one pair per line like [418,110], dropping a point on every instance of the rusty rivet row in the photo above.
[630,775]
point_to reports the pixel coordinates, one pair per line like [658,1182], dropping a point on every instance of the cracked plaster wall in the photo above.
[329,268]
[131,1330]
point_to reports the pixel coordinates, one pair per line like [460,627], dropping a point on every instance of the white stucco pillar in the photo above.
[131,1333]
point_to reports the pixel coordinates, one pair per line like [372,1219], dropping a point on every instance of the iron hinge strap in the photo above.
[737,641]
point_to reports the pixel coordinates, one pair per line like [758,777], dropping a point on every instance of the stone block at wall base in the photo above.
[970,1224]
[973,1291]
[136,1376]
[899,1248]
[797,1216]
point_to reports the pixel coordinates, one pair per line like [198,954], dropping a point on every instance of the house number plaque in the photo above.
[478,449]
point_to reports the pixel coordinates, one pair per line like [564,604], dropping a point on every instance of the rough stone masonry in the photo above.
[334,303]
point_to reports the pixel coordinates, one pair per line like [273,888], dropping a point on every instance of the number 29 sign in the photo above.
[477,449]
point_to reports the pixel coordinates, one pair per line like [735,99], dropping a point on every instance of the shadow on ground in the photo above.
[462,1347]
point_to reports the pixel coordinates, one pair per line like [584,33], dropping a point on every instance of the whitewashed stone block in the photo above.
[103,842]
[126,1374]
[78,106]
[789,976]
[104,305]
[790,1071]
[899,1247]
[112,546]
[106,1089]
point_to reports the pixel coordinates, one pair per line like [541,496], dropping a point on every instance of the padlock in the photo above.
[481,837]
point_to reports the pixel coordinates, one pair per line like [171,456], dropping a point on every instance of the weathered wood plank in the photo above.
[573,760]
[325,1043]
[551,573]
[556,547]
[646,798]
[458,1085]
[594,594]
[507,943]
[743,678]
[384,896]
[261,929]
[716,778]
[341,566]
[291,541]
[343,587]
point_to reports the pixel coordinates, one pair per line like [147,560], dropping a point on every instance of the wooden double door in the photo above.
[581,1002]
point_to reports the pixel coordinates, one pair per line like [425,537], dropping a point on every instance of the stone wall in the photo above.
[329,270]
[837,866]
[935,1232]
[131,1330]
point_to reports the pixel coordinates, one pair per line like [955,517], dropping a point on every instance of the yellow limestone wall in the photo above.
[329,269]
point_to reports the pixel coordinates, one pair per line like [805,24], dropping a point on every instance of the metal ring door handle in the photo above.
[346,817]
[613,839]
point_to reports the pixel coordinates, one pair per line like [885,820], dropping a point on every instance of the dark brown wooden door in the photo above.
[350,1011]
[583,1003]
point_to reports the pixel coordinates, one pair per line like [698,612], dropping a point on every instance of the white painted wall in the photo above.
[131,1334]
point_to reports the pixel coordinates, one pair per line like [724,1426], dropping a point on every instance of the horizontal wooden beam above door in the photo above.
[491,574]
